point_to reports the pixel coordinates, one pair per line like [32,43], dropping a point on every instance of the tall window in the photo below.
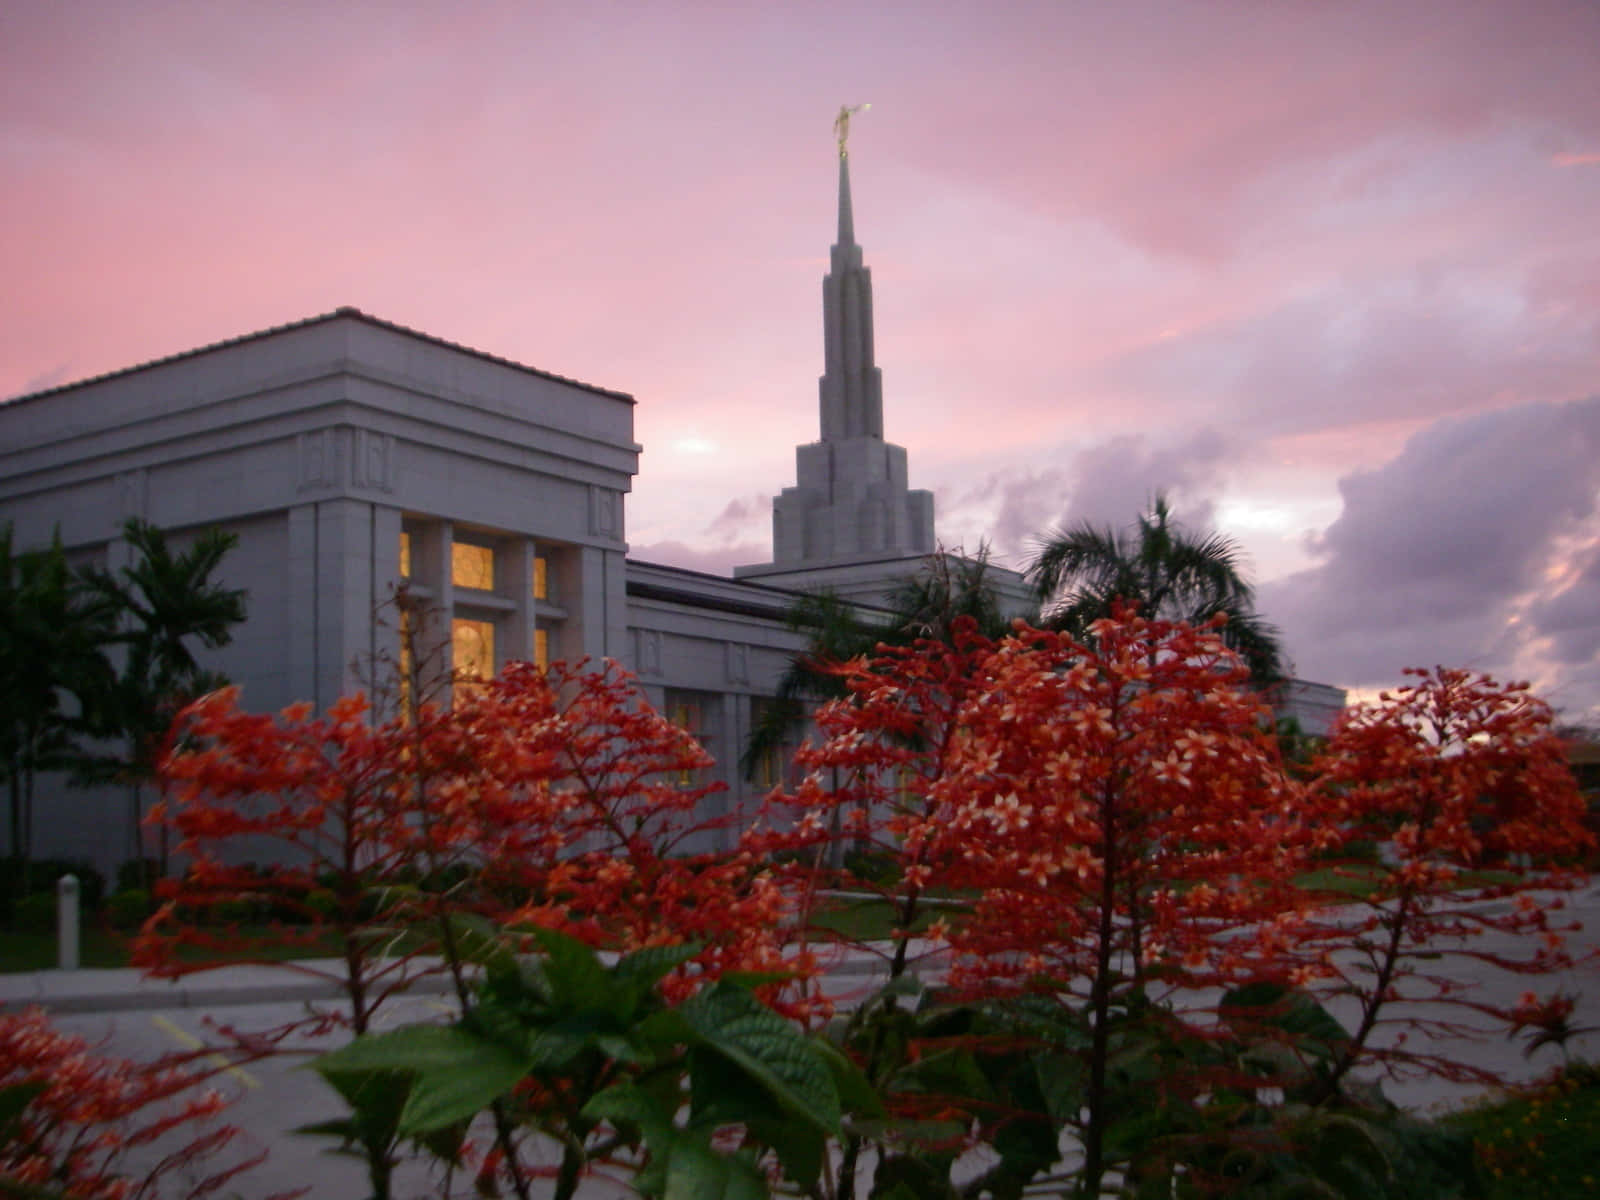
[541,577]
[693,712]
[405,554]
[407,664]
[472,643]
[472,566]
[541,648]
[772,768]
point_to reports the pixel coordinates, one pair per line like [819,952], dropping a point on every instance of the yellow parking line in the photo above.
[194,1043]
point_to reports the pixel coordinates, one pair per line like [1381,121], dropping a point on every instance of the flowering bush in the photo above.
[1453,774]
[547,799]
[1132,956]
[76,1125]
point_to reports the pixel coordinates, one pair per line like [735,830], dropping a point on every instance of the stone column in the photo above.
[344,607]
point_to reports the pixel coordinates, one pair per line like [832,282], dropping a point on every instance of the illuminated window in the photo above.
[541,578]
[771,767]
[472,643]
[541,648]
[407,664]
[405,554]
[689,711]
[472,566]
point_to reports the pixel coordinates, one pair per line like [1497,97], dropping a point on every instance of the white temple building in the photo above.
[348,454]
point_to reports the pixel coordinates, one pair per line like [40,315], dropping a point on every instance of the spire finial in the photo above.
[841,125]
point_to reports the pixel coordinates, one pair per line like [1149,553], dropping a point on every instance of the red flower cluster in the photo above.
[551,797]
[95,1128]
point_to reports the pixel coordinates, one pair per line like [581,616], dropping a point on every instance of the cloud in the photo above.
[1108,482]
[1570,618]
[1116,480]
[718,561]
[741,515]
[1444,553]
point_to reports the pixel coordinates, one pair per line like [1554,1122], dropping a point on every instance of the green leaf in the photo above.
[628,1104]
[445,1142]
[856,1093]
[1061,1084]
[577,977]
[375,1096]
[697,1172]
[556,1045]
[662,1029]
[479,940]
[445,1096]
[339,1127]
[948,1072]
[650,964]
[454,1073]
[801,1149]
[1269,1005]
[734,1023]
[900,1175]
[722,1092]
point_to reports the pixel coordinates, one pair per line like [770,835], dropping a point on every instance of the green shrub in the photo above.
[239,911]
[128,907]
[138,873]
[42,876]
[876,867]
[1540,1141]
[35,913]
[323,903]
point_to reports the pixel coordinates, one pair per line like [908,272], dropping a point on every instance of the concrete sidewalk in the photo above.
[87,990]
[91,990]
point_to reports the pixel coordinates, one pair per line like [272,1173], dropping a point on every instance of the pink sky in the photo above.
[1327,273]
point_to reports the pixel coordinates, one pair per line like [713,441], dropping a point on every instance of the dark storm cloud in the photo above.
[1107,484]
[1116,480]
[1435,549]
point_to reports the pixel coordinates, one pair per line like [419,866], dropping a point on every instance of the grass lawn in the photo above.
[37,951]
[1356,880]
[105,948]
[870,920]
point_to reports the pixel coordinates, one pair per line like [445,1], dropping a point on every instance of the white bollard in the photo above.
[67,922]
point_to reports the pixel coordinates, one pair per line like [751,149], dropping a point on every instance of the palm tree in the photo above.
[1080,573]
[50,637]
[165,602]
[927,605]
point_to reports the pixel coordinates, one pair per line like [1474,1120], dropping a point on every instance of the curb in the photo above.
[123,989]
[92,990]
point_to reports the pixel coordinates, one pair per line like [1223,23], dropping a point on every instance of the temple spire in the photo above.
[841,131]
[851,507]
[851,387]
[847,224]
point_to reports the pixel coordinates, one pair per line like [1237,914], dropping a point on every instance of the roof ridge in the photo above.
[343,311]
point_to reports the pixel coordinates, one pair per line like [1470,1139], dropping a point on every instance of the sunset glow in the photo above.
[1326,274]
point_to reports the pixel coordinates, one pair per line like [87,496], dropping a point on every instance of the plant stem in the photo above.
[1100,1004]
[1375,1001]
